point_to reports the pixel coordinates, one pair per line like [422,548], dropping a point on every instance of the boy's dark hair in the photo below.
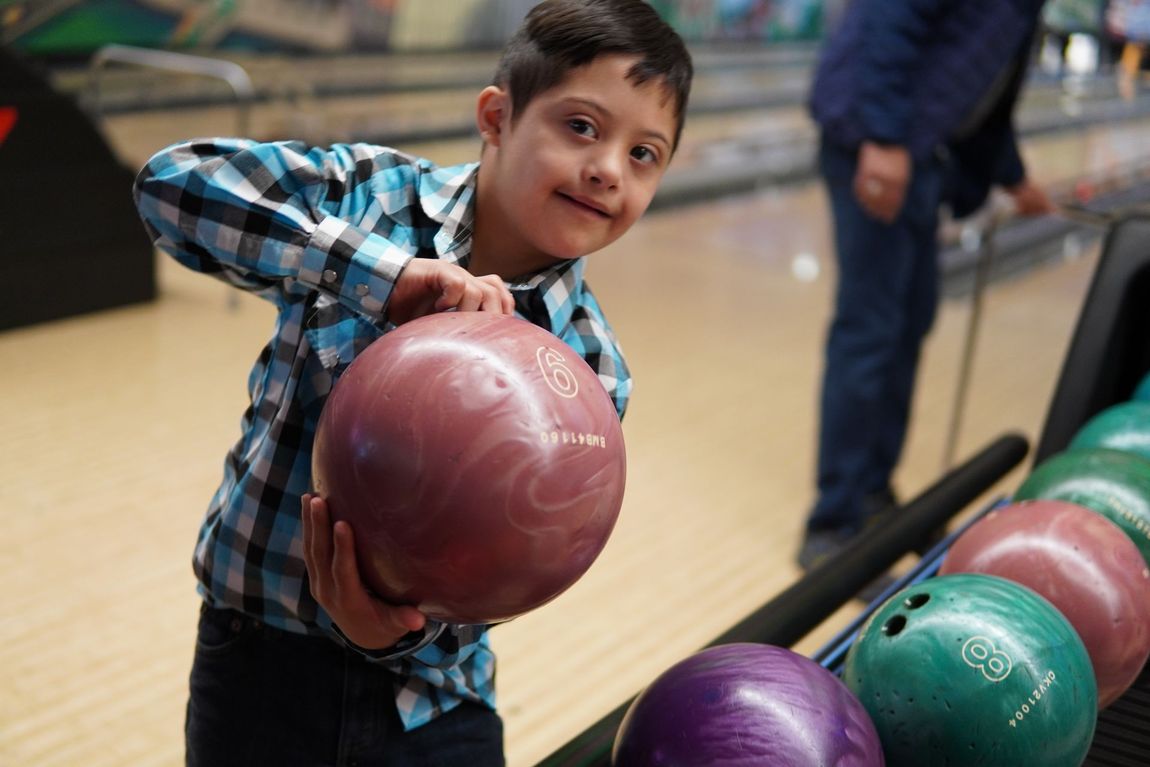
[560,35]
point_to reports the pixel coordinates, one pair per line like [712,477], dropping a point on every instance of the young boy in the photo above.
[296,663]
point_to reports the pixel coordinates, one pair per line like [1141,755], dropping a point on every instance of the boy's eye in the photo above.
[645,154]
[581,127]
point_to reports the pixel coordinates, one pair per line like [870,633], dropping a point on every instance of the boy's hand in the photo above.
[329,552]
[426,286]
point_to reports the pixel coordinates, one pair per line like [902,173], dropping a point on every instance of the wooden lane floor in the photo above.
[115,425]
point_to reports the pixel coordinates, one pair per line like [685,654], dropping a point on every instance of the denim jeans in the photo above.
[261,696]
[885,303]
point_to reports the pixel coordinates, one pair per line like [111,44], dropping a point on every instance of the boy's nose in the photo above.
[604,170]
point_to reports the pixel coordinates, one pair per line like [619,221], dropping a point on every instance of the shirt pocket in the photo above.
[336,337]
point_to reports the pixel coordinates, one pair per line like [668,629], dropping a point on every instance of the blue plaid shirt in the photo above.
[323,234]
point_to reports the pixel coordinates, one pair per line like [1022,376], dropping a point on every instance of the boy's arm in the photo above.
[282,220]
[265,218]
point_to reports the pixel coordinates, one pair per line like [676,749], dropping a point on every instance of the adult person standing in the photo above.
[914,101]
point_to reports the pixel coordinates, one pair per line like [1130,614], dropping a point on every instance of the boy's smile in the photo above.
[573,171]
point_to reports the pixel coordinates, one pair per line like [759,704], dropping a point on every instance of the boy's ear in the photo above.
[491,109]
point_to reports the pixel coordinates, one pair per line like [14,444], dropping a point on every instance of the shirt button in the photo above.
[361,289]
[329,275]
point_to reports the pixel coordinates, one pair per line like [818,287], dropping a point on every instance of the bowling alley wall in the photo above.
[79,27]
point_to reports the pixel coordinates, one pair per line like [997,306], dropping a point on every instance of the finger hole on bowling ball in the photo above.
[916,601]
[894,625]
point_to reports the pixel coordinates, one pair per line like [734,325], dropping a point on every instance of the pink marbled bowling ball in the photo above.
[479,461]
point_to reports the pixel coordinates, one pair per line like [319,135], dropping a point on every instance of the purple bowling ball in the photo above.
[744,705]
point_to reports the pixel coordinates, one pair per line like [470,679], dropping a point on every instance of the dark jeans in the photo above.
[885,303]
[261,696]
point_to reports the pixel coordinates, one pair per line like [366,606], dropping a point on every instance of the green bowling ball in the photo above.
[973,669]
[1114,483]
[1142,390]
[1125,426]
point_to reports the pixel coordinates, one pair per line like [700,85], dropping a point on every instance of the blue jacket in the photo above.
[930,74]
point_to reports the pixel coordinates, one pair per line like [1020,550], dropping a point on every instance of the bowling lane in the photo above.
[134,88]
[747,128]
[762,128]
[443,119]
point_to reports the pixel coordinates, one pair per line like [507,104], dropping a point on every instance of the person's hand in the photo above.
[426,286]
[329,553]
[1030,199]
[881,179]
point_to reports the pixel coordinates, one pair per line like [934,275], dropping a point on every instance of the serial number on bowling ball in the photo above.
[1036,695]
[573,438]
[1124,511]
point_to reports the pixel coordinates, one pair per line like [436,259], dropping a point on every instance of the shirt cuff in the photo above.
[412,643]
[357,267]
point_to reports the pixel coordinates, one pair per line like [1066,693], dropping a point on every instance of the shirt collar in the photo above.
[559,286]
[447,196]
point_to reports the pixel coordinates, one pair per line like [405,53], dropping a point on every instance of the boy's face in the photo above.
[575,169]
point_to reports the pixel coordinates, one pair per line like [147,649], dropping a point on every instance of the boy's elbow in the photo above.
[146,199]
[141,179]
